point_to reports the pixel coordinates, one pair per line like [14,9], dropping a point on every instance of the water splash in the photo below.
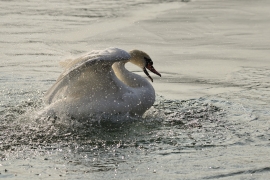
[21,128]
[169,127]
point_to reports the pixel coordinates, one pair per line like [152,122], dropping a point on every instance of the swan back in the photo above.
[91,68]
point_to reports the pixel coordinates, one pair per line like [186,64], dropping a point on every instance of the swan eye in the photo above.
[148,61]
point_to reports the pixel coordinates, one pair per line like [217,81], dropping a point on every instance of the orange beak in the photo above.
[152,69]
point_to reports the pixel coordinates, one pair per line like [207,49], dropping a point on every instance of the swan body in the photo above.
[98,82]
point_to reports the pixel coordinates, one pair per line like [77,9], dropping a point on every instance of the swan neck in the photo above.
[127,77]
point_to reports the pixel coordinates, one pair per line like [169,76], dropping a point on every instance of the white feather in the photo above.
[90,85]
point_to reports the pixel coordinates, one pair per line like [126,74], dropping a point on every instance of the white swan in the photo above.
[99,82]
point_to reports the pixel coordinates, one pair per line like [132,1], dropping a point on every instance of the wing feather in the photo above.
[92,69]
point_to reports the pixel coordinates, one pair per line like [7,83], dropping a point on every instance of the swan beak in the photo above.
[152,69]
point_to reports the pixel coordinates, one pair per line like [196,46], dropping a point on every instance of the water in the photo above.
[202,126]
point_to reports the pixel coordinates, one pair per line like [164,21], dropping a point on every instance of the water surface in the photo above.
[211,116]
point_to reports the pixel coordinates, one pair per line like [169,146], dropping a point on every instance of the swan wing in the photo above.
[88,76]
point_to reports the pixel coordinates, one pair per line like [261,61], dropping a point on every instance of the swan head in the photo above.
[144,61]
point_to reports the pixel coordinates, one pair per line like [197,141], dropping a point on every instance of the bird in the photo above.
[98,82]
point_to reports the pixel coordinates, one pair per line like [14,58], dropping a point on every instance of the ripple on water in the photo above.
[169,127]
[167,123]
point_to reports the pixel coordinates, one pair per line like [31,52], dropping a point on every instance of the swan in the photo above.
[98,82]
